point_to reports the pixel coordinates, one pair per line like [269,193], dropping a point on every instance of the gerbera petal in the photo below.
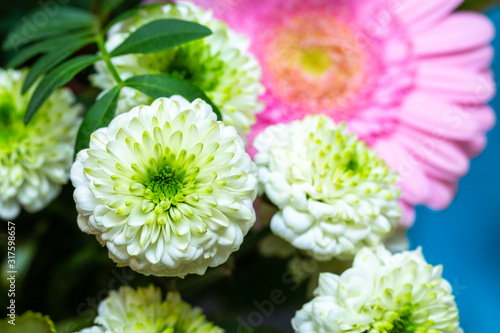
[429,114]
[459,32]
[476,146]
[443,194]
[458,85]
[409,213]
[477,59]
[420,14]
[484,116]
[412,180]
[442,154]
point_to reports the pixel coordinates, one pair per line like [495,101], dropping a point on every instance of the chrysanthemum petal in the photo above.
[35,158]
[143,310]
[333,193]
[156,204]
[379,293]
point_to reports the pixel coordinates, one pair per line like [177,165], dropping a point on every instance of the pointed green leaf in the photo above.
[161,35]
[58,77]
[14,41]
[132,12]
[28,322]
[44,46]
[165,85]
[99,115]
[51,60]
[46,22]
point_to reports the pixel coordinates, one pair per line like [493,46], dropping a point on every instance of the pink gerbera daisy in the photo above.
[410,77]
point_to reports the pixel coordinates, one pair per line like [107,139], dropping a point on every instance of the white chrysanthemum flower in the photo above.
[381,293]
[167,188]
[93,329]
[144,310]
[218,64]
[335,196]
[35,159]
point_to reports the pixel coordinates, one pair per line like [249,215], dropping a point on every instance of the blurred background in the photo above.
[65,273]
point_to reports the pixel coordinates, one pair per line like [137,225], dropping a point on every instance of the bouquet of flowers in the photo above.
[245,166]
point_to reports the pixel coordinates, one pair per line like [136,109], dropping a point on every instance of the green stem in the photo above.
[107,58]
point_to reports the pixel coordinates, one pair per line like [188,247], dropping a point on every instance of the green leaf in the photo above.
[44,46]
[165,85]
[161,35]
[28,322]
[14,41]
[51,60]
[58,77]
[49,21]
[99,115]
[132,12]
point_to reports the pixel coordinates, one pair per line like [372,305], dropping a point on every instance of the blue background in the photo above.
[465,238]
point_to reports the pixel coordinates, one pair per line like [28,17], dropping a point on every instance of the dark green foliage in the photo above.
[48,22]
[99,115]
[57,78]
[53,58]
[161,35]
[51,45]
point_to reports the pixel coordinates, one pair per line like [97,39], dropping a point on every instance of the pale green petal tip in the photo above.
[318,173]
[143,309]
[35,153]
[382,293]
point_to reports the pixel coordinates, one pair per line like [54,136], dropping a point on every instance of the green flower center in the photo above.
[339,157]
[404,323]
[11,123]
[194,62]
[170,181]
[353,164]
[397,322]
[165,184]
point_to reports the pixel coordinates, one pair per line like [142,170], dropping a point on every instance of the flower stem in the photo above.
[107,58]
